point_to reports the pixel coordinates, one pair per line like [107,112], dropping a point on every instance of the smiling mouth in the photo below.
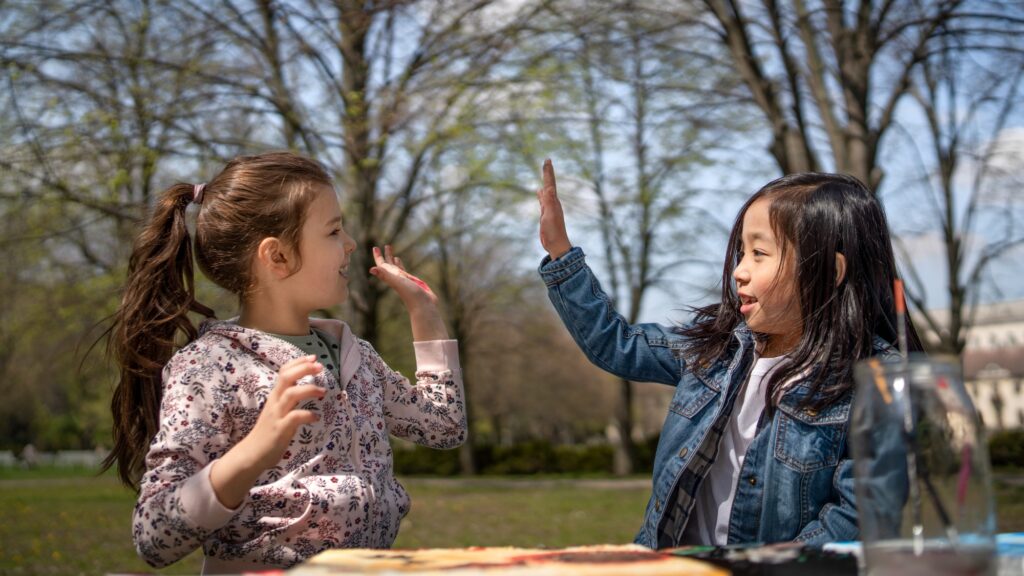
[343,271]
[746,303]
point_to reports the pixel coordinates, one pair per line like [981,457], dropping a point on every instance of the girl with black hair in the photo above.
[755,444]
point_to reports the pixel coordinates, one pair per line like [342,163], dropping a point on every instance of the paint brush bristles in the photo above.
[901,317]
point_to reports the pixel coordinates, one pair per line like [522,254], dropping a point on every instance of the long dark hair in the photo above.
[253,198]
[816,216]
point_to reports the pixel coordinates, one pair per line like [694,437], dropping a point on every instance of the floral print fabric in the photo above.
[334,486]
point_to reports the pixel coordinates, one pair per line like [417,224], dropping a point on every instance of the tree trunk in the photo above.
[624,461]
[361,170]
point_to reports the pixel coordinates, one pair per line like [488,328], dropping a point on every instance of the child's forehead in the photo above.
[759,225]
[757,219]
[327,198]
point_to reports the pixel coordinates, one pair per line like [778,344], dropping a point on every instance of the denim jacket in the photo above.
[796,481]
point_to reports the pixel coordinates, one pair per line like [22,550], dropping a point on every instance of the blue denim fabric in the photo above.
[797,478]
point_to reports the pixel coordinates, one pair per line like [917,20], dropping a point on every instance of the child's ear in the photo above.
[840,268]
[272,256]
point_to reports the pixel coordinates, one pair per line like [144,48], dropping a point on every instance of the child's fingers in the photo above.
[398,262]
[549,178]
[297,418]
[292,371]
[300,361]
[291,397]
[389,254]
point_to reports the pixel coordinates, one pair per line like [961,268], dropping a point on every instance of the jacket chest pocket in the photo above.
[810,440]
[691,396]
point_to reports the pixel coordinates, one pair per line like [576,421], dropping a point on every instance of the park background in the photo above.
[433,117]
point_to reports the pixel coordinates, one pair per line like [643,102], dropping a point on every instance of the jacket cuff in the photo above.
[556,271]
[200,502]
[437,355]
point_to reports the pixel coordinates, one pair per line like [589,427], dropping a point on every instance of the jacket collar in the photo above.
[349,357]
[276,352]
[744,343]
[745,348]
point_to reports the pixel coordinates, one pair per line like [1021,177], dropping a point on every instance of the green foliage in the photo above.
[531,457]
[541,456]
[423,461]
[59,395]
[1006,448]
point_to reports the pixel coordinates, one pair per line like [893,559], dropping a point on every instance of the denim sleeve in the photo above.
[637,352]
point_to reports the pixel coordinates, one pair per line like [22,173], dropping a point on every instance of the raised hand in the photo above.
[419,299]
[237,471]
[390,270]
[553,236]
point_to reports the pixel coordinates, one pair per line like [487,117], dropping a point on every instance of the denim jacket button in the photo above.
[752,480]
[657,505]
[684,452]
[811,412]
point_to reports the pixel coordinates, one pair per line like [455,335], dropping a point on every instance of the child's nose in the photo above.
[740,274]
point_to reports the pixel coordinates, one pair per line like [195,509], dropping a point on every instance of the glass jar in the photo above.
[922,474]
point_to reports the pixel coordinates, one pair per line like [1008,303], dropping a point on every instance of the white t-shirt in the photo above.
[709,521]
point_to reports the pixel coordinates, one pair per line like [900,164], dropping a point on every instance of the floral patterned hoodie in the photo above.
[334,486]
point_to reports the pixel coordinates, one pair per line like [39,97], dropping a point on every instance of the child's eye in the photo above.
[336,231]
[759,253]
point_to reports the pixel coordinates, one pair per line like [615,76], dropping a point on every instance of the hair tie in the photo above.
[197,192]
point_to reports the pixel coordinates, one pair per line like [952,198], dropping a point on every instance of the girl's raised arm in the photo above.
[639,352]
[432,411]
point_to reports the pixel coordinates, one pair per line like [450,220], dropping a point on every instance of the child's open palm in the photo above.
[390,270]
[419,299]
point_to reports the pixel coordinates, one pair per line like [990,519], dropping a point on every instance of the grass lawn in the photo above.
[557,513]
[61,523]
[74,523]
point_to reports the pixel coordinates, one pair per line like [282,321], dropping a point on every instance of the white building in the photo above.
[994,363]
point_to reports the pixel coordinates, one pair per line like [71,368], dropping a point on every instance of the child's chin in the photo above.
[340,298]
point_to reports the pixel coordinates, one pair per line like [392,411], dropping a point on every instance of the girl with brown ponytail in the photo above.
[264,438]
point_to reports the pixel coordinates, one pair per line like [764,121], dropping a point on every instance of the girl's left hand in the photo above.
[391,271]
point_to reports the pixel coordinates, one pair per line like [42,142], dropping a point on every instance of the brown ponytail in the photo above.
[159,294]
[253,198]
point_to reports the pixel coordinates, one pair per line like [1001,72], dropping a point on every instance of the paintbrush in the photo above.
[914,471]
